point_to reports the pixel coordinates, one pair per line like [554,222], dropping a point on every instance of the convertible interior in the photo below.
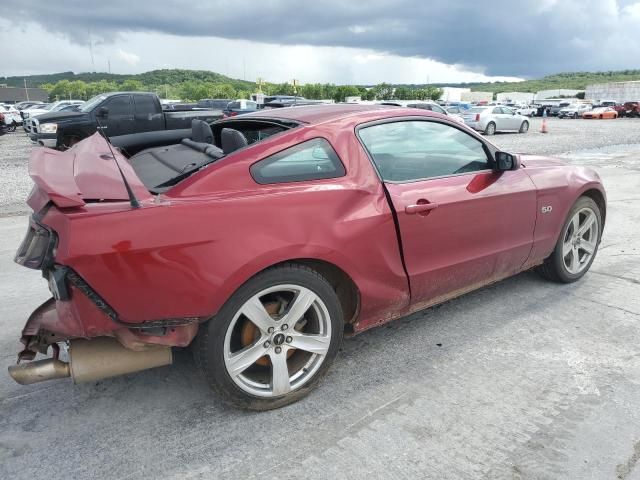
[162,159]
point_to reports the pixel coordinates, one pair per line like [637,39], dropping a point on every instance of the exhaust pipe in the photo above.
[92,360]
[39,371]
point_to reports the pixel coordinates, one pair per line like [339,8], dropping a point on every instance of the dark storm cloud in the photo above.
[520,37]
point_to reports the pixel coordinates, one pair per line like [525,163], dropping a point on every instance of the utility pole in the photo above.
[109,65]
[93,64]
[295,90]
[26,90]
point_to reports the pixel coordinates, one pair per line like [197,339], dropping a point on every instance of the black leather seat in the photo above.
[201,132]
[232,140]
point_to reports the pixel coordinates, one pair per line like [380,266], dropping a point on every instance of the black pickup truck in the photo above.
[119,113]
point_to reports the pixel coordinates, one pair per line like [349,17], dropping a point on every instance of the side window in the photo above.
[311,160]
[415,150]
[119,105]
[438,109]
[497,110]
[144,104]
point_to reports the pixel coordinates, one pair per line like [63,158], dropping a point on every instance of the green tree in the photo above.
[383,91]
[345,91]
[403,93]
[132,85]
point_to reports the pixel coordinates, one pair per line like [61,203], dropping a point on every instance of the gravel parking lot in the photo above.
[521,380]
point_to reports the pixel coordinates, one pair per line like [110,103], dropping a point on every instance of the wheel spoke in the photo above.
[575,260]
[588,247]
[255,312]
[238,362]
[587,224]
[575,224]
[311,343]
[567,247]
[301,304]
[279,374]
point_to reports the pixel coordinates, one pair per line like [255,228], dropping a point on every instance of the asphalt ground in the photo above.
[524,379]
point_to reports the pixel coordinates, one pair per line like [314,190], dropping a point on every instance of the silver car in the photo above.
[494,118]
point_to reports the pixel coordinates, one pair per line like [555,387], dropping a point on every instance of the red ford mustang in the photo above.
[260,240]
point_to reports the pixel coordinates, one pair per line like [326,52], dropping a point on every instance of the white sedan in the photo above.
[11,115]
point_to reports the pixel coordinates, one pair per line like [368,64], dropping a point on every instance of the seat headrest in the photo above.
[232,140]
[201,131]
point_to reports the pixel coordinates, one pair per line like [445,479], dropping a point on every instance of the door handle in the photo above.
[421,207]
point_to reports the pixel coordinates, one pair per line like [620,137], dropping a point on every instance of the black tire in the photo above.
[575,116]
[524,128]
[209,343]
[554,268]
[490,129]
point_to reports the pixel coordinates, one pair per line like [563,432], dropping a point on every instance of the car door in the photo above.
[510,120]
[498,117]
[146,117]
[119,121]
[461,223]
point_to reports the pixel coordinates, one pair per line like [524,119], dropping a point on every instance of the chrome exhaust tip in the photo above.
[39,371]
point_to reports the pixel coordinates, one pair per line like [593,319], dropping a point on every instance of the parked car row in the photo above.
[116,113]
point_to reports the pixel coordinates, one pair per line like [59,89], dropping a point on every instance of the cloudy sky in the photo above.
[404,41]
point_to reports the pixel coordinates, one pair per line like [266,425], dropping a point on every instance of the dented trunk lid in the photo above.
[85,173]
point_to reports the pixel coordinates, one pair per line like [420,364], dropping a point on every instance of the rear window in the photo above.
[311,160]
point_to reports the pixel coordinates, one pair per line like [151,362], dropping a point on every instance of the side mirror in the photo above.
[506,161]
[103,112]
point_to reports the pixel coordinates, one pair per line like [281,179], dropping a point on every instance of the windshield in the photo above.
[41,107]
[59,107]
[92,102]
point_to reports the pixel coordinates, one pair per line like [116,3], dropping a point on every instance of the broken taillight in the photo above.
[37,248]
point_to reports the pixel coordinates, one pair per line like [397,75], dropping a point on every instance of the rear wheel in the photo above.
[575,116]
[273,340]
[578,244]
[490,129]
[524,128]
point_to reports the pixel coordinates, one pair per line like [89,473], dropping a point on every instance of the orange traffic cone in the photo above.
[543,129]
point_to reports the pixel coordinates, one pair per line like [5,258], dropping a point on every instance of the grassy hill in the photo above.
[573,81]
[155,77]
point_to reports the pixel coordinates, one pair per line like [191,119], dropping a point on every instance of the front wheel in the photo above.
[524,128]
[273,340]
[575,116]
[577,246]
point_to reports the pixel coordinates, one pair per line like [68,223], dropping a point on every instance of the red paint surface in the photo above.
[184,253]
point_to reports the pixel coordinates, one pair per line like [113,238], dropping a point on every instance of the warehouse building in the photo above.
[616,91]
[557,93]
[477,96]
[453,94]
[14,95]
[515,97]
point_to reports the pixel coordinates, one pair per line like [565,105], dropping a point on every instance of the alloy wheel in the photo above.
[580,240]
[277,340]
